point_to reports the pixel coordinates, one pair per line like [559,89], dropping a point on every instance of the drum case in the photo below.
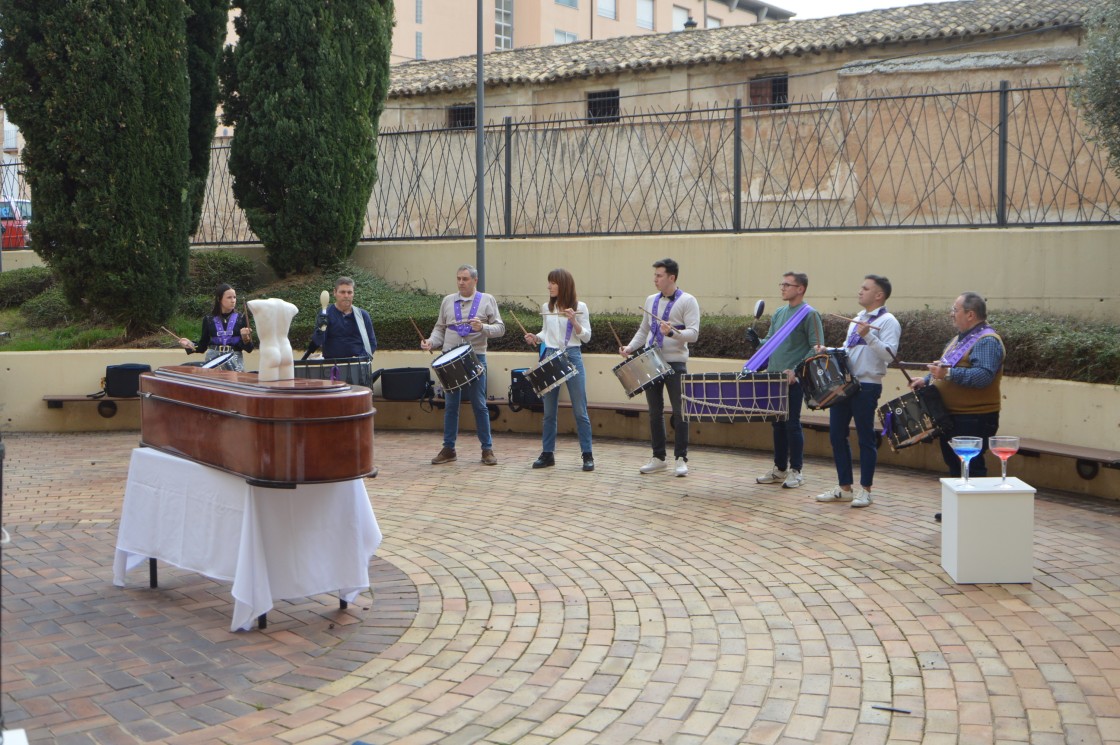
[407,384]
[521,393]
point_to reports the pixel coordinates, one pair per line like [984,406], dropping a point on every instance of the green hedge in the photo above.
[20,285]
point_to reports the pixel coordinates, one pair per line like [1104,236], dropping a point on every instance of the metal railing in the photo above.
[974,158]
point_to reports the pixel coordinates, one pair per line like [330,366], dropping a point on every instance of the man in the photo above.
[677,324]
[967,376]
[343,330]
[801,329]
[871,343]
[466,317]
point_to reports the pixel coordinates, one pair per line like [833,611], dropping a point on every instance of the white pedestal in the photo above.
[987,533]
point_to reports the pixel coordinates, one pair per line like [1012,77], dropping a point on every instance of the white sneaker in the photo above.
[682,467]
[655,464]
[793,479]
[835,494]
[863,498]
[773,476]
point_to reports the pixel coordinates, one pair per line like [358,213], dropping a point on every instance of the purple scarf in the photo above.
[958,349]
[759,358]
[854,339]
[464,329]
[658,337]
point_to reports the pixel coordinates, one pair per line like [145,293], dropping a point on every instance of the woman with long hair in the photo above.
[566,326]
[224,330]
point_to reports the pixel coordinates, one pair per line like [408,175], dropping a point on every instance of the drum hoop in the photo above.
[453,354]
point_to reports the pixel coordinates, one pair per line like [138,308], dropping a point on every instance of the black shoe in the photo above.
[588,462]
[545,460]
[937,517]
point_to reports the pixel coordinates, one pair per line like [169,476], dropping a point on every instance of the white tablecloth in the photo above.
[273,544]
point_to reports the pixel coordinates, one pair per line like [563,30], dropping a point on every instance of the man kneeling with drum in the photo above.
[466,317]
[670,321]
[872,339]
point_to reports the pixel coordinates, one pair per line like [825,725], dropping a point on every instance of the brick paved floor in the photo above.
[513,605]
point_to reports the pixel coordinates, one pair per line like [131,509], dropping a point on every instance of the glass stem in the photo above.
[964,469]
[1003,463]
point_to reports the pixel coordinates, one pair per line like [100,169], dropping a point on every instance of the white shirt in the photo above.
[555,327]
[868,362]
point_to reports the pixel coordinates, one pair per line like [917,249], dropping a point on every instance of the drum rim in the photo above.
[454,353]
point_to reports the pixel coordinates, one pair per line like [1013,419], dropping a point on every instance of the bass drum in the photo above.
[457,367]
[913,418]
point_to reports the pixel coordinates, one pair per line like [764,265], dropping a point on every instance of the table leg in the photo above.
[262,621]
[343,604]
[153,579]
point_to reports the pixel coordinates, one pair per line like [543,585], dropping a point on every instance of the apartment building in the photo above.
[440,29]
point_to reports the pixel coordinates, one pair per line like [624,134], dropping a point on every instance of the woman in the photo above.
[566,326]
[224,330]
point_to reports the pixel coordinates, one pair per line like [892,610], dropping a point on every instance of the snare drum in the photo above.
[918,416]
[457,367]
[642,370]
[352,370]
[734,397]
[550,373]
[826,380]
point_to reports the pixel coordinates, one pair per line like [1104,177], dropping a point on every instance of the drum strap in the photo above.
[759,358]
[224,333]
[360,317]
[658,337]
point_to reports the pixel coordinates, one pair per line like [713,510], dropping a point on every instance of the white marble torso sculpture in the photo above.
[274,317]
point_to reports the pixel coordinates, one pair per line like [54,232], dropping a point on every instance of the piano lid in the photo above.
[244,382]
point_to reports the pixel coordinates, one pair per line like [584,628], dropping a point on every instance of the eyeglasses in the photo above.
[784,285]
[955,310]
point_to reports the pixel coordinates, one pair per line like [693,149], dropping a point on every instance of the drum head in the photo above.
[452,354]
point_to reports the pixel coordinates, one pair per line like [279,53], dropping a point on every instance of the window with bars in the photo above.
[460,116]
[645,14]
[503,24]
[771,92]
[419,45]
[603,107]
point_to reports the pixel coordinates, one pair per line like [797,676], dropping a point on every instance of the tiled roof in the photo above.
[949,20]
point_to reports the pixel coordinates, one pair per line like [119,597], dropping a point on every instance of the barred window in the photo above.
[771,92]
[603,107]
[461,116]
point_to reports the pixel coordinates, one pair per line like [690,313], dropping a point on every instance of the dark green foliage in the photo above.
[304,88]
[1095,87]
[99,90]
[20,285]
[206,31]
[49,309]
[208,269]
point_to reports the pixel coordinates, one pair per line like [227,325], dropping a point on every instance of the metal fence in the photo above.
[1007,156]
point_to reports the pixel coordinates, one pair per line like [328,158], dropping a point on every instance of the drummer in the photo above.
[677,325]
[224,330]
[799,329]
[338,330]
[466,317]
[566,326]
[871,342]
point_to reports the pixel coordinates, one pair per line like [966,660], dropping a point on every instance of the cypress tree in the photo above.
[206,32]
[99,89]
[1095,87]
[304,88]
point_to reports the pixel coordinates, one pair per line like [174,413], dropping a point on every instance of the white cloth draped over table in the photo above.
[273,544]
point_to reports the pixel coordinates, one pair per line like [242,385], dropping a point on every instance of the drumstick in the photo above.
[419,333]
[518,322]
[172,333]
[837,315]
[611,325]
[900,367]
[677,326]
[914,365]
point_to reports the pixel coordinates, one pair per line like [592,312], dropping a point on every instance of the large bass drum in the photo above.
[734,397]
[642,370]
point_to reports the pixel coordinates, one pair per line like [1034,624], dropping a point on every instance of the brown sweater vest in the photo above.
[959,399]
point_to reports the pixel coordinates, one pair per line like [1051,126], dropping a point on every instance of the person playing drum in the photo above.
[871,341]
[968,376]
[801,328]
[344,330]
[677,324]
[224,330]
[566,326]
[466,317]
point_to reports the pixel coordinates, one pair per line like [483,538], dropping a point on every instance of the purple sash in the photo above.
[759,358]
[655,328]
[464,329]
[958,349]
[225,334]
[854,340]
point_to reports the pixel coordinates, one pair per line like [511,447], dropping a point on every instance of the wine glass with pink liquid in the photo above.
[1003,447]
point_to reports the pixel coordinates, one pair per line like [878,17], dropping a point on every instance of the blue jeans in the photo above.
[577,391]
[476,389]
[789,439]
[861,407]
[969,425]
[655,399]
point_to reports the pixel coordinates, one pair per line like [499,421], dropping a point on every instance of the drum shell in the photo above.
[915,417]
[734,397]
[455,369]
[642,370]
[826,380]
[353,370]
[551,373]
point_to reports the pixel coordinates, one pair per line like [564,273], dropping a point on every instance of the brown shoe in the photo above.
[488,458]
[446,455]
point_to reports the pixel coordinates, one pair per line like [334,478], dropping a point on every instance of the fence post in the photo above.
[737,189]
[1001,183]
[508,197]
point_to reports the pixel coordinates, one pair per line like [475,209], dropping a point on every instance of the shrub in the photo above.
[49,309]
[208,269]
[20,285]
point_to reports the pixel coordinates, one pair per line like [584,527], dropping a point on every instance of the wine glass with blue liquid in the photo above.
[966,449]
